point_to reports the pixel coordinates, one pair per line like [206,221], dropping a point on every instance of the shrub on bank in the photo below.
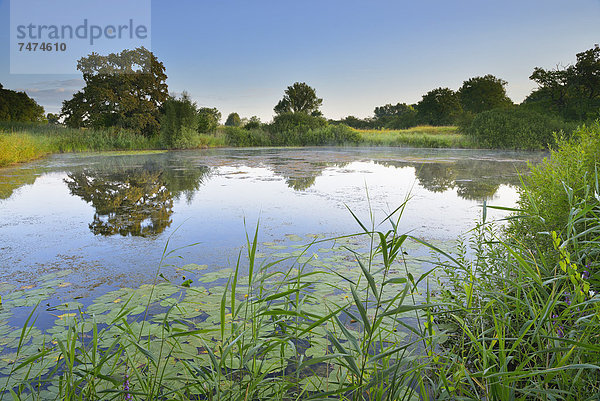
[310,134]
[326,135]
[241,137]
[569,177]
[514,128]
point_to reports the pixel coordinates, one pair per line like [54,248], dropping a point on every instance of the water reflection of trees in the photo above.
[134,198]
[472,179]
[300,175]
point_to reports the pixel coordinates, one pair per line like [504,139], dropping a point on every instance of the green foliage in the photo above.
[25,142]
[440,106]
[519,326]
[15,148]
[299,136]
[243,137]
[53,118]
[560,183]
[299,98]
[483,93]
[418,137]
[572,92]
[253,123]
[233,120]
[296,123]
[123,90]
[355,122]
[514,128]
[208,119]
[178,121]
[18,107]
[399,116]
[327,135]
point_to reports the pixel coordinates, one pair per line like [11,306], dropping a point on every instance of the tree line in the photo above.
[128,91]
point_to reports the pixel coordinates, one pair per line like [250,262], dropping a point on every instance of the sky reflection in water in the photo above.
[109,216]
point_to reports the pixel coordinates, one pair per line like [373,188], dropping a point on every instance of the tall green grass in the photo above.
[25,142]
[330,135]
[519,326]
[22,142]
[272,338]
[420,137]
[15,148]
[503,323]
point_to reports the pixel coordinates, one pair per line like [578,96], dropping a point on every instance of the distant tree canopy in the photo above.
[355,122]
[299,98]
[208,119]
[397,116]
[233,120]
[53,118]
[253,123]
[17,106]
[480,94]
[440,106]
[124,90]
[573,92]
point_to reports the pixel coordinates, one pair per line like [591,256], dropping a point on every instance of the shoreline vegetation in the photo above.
[24,142]
[127,106]
[509,313]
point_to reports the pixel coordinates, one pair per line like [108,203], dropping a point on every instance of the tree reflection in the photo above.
[131,202]
[472,179]
[300,175]
[135,201]
[435,177]
[300,183]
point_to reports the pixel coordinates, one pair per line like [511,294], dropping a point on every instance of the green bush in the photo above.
[241,137]
[514,128]
[178,122]
[560,182]
[287,129]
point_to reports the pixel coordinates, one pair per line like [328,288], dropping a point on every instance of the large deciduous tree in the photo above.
[123,90]
[440,106]
[480,94]
[299,98]
[573,91]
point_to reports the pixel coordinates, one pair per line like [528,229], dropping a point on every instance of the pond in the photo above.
[93,223]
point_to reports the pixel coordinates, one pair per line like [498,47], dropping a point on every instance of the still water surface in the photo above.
[108,217]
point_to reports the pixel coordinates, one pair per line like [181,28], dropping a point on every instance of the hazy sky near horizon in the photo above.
[240,55]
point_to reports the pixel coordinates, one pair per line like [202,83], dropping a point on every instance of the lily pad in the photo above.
[294,237]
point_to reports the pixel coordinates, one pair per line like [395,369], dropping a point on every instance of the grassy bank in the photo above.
[419,137]
[25,142]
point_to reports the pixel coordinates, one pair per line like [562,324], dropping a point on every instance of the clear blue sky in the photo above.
[240,55]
